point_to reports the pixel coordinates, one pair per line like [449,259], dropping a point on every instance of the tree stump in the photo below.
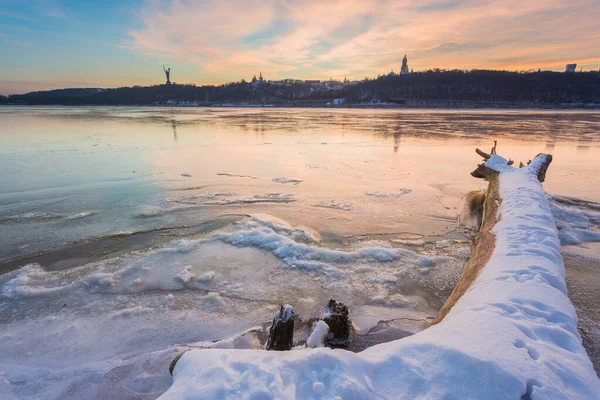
[339,324]
[281,333]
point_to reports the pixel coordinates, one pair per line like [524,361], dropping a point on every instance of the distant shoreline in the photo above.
[477,89]
[483,106]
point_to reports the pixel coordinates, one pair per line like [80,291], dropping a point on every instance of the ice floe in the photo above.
[336,205]
[284,180]
[401,192]
[164,206]
[113,316]
[235,175]
[578,221]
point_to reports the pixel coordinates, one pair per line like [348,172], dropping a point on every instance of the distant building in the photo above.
[571,68]
[258,81]
[331,83]
[404,69]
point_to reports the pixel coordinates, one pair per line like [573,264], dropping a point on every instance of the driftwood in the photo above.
[484,241]
[281,333]
[339,323]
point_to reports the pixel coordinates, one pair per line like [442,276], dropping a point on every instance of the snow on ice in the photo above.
[512,335]
[91,326]
[284,180]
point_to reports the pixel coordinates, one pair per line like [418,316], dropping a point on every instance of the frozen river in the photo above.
[144,229]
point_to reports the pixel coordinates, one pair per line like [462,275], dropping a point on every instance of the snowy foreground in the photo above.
[513,335]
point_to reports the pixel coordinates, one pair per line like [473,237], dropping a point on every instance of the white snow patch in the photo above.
[283,180]
[167,300]
[396,300]
[245,340]
[207,277]
[442,244]
[336,205]
[578,221]
[164,206]
[318,335]
[185,275]
[318,388]
[401,192]
[235,175]
[212,299]
[81,215]
[286,313]
[299,247]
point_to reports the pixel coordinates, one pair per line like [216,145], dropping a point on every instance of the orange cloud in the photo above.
[229,39]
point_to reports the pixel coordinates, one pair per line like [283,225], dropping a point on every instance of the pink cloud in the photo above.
[358,38]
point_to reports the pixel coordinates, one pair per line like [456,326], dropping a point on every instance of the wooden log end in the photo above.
[340,326]
[541,173]
[483,172]
[281,333]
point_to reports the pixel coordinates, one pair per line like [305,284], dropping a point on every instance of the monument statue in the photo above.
[168,74]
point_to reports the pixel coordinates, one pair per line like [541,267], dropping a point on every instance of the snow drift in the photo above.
[512,335]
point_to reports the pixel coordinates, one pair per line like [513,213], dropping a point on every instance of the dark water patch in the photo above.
[82,252]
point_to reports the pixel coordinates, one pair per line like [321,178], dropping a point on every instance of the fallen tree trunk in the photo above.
[512,334]
[484,241]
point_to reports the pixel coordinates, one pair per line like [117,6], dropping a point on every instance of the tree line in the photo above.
[535,88]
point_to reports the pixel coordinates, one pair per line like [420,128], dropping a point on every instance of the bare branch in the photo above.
[483,154]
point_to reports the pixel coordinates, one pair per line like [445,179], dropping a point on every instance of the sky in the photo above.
[46,44]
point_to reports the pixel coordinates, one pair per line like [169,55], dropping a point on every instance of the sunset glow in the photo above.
[53,44]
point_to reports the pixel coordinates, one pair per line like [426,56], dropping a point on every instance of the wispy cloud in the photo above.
[230,39]
[355,38]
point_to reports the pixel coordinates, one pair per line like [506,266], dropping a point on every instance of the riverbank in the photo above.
[441,105]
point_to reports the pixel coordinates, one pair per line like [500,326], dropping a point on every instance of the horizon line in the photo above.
[366,78]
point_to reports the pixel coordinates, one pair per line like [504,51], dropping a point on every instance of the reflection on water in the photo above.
[113,164]
[174,126]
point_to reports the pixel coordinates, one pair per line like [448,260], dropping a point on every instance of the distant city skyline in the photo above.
[48,44]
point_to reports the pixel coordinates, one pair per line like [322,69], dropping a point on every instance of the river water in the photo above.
[126,232]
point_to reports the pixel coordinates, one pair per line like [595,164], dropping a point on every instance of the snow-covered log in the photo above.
[511,334]
[484,241]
